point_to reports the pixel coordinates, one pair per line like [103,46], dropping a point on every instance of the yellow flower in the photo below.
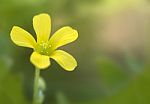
[45,46]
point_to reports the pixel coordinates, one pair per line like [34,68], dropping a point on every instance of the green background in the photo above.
[112,52]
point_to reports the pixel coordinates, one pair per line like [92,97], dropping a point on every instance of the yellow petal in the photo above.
[22,38]
[64,59]
[42,27]
[63,36]
[40,61]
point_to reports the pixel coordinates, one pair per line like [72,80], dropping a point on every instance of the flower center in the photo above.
[43,48]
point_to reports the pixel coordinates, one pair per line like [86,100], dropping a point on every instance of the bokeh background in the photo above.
[113,52]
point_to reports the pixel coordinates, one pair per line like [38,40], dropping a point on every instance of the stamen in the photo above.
[43,48]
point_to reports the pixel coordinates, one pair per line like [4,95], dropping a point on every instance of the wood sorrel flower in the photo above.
[45,48]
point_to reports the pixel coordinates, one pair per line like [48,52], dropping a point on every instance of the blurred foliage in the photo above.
[135,92]
[11,90]
[61,98]
[112,74]
[101,77]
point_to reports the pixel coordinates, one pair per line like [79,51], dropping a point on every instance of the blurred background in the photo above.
[113,52]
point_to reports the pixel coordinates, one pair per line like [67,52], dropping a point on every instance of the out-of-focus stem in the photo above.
[36,86]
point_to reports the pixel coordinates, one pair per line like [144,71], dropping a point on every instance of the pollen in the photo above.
[44,48]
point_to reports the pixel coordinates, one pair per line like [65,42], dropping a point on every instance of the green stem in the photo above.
[36,86]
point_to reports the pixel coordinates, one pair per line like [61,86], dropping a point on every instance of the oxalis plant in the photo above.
[45,48]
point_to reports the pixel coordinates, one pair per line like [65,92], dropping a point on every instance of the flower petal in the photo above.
[22,38]
[64,59]
[40,61]
[42,27]
[63,36]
